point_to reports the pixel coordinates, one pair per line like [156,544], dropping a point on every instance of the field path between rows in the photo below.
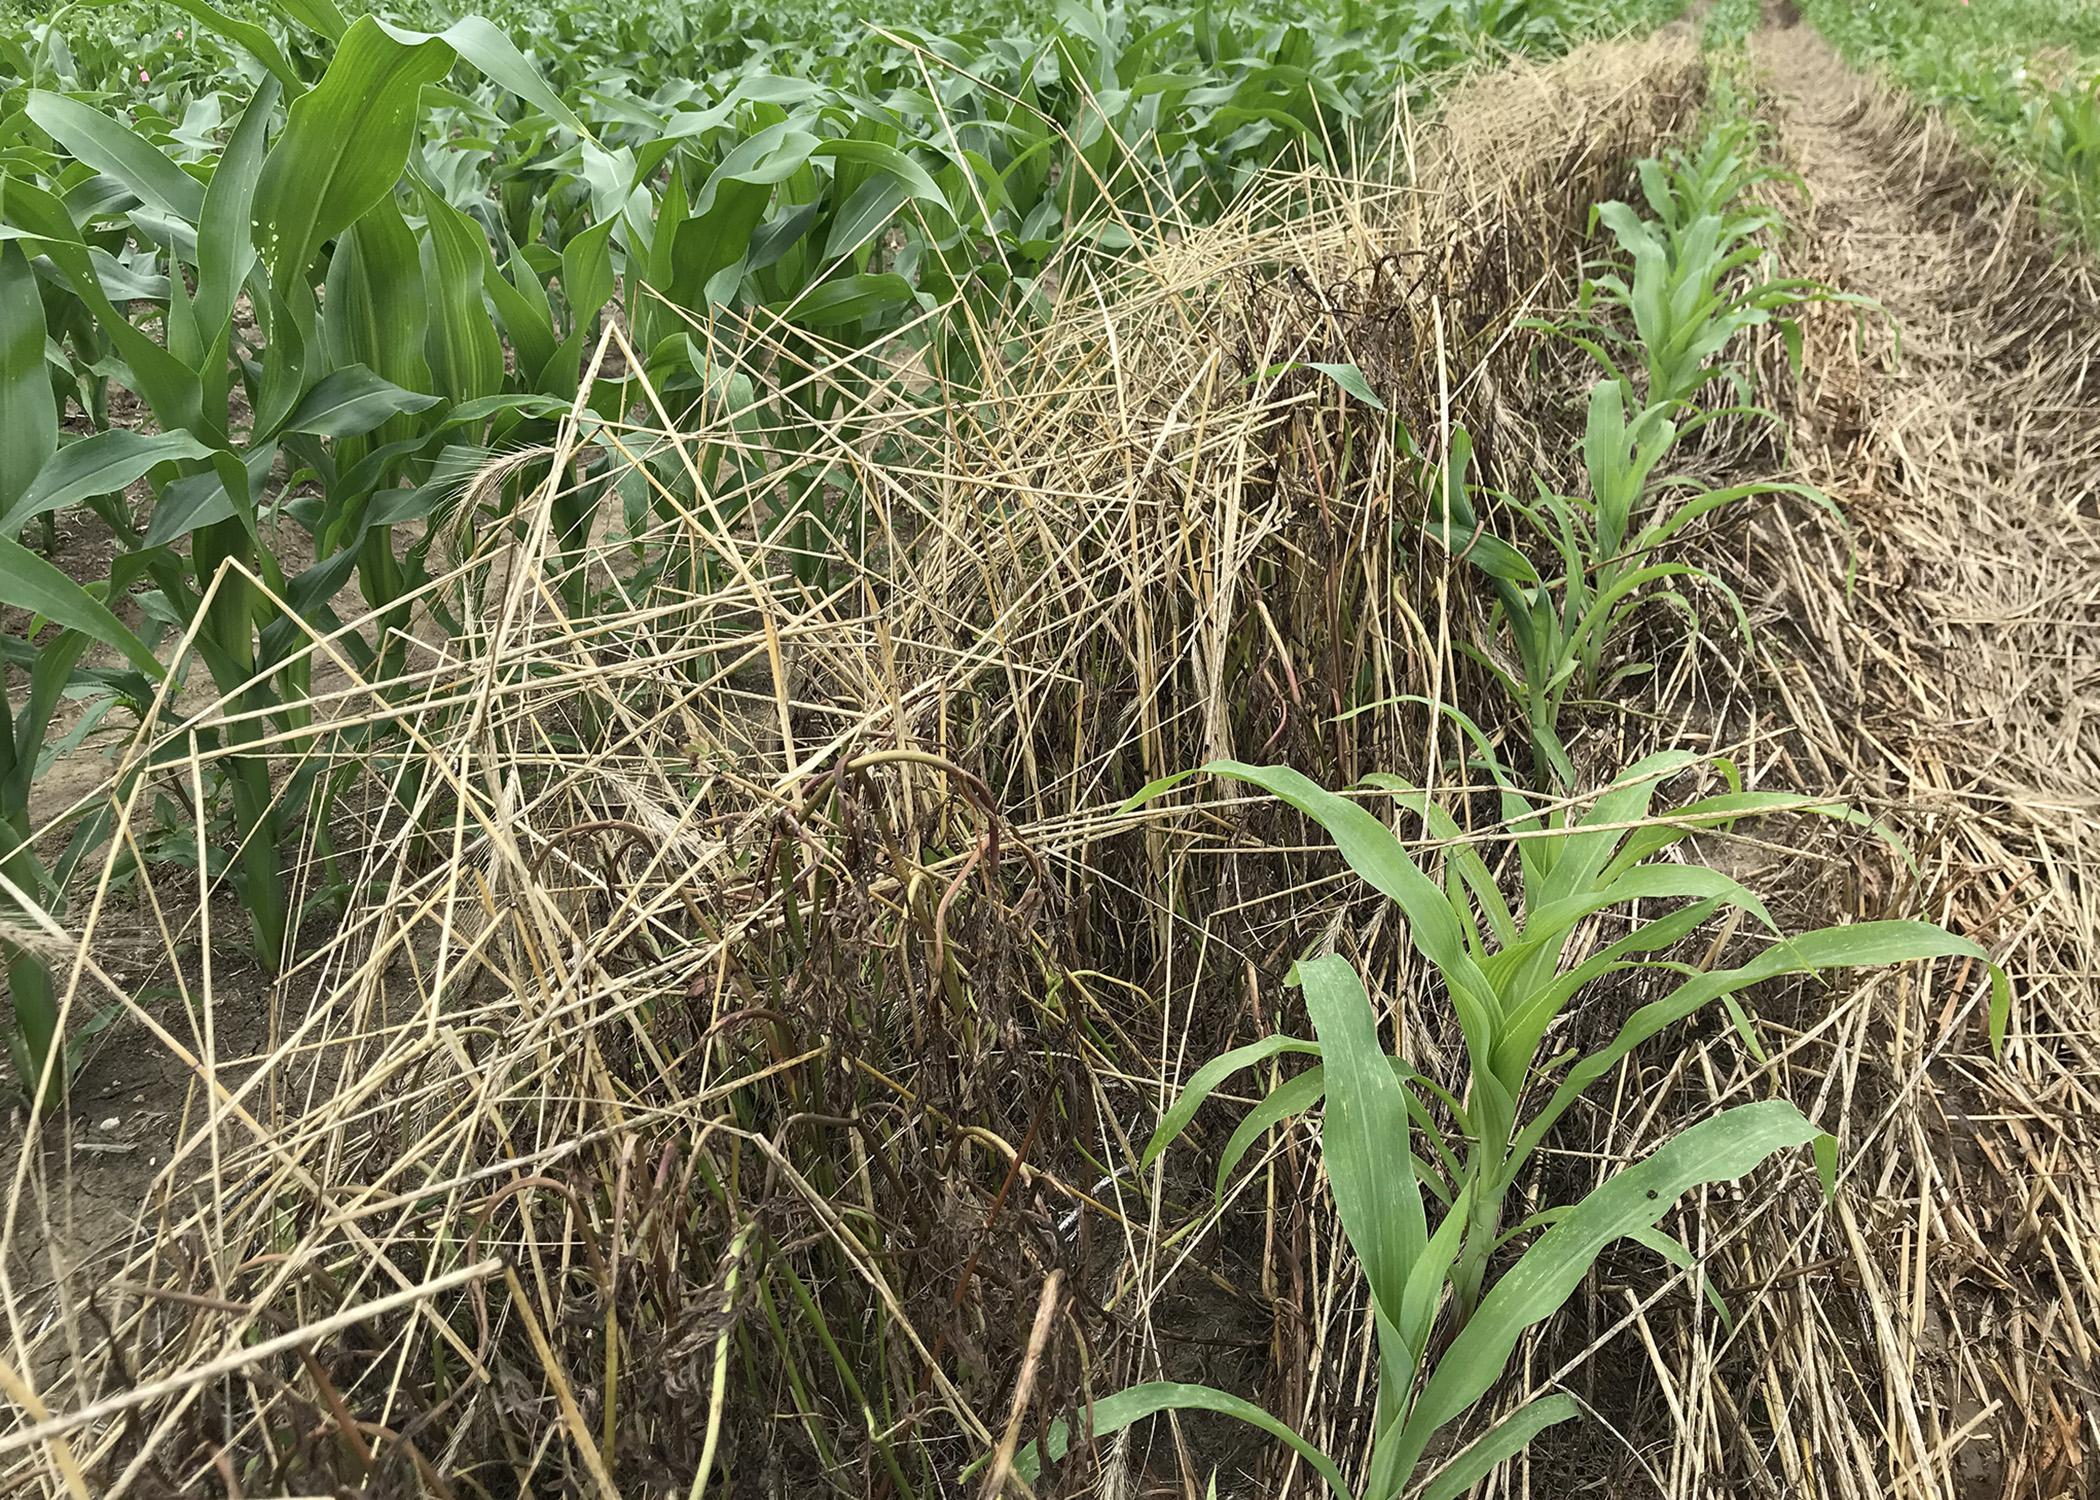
[1961,678]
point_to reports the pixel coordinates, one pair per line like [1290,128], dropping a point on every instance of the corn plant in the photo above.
[1562,619]
[1685,294]
[1424,1197]
[65,620]
[1692,278]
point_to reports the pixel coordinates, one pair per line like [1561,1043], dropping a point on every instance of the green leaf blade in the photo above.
[1119,1411]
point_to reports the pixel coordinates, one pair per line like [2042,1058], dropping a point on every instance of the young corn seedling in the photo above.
[1562,624]
[1688,299]
[1692,277]
[1425,1207]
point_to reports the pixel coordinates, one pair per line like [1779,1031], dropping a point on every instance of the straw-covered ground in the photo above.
[745,1048]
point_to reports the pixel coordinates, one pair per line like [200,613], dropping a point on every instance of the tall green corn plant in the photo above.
[268,223]
[1424,1204]
[186,382]
[65,619]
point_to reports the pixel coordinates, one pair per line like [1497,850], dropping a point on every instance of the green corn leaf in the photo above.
[344,146]
[1720,1149]
[526,316]
[771,88]
[1602,612]
[849,299]
[876,181]
[170,387]
[1619,456]
[879,156]
[1551,924]
[1656,188]
[101,464]
[351,402]
[1674,1250]
[1587,848]
[468,413]
[199,500]
[704,259]
[292,335]
[1459,855]
[309,592]
[1723,811]
[398,505]
[1862,945]
[587,284]
[316,15]
[1485,551]
[1117,1412]
[863,215]
[1667,1246]
[653,256]
[466,355]
[28,417]
[48,678]
[255,40]
[1500,1443]
[225,227]
[481,43]
[110,146]
[29,583]
[1294,1096]
[1516,805]
[126,282]
[1207,1080]
[1351,380]
[366,319]
[1420,1297]
[1531,1011]
[366,474]
[1364,1133]
[1700,504]
[587,271]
